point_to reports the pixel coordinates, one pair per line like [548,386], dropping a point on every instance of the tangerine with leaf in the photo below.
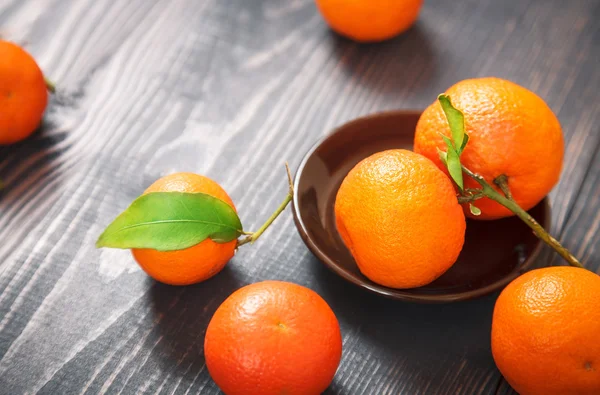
[199,262]
[498,191]
[513,134]
[183,229]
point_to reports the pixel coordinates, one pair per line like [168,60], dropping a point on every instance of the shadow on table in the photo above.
[403,63]
[27,162]
[420,336]
[183,313]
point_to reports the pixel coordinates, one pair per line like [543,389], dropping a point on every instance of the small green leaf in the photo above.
[447,141]
[443,157]
[474,210]
[169,221]
[456,120]
[454,167]
[464,144]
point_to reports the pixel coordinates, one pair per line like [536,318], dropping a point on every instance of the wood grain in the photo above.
[232,89]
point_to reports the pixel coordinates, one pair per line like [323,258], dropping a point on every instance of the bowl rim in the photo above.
[399,294]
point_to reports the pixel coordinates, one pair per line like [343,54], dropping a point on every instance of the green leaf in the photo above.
[454,167]
[169,221]
[456,120]
[474,210]
[464,144]
[449,145]
[443,157]
[447,141]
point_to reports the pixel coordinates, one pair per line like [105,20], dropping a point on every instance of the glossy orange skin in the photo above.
[273,337]
[194,264]
[545,332]
[399,216]
[370,20]
[512,131]
[23,94]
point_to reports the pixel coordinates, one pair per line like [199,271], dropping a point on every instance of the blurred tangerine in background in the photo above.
[369,20]
[23,94]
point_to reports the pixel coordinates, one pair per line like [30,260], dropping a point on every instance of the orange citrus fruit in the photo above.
[369,20]
[273,337]
[23,94]
[512,131]
[399,216]
[194,264]
[545,332]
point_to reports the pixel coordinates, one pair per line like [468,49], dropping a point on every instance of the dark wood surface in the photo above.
[232,89]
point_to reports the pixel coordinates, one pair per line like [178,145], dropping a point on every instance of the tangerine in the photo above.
[23,94]
[399,216]
[369,20]
[512,132]
[195,264]
[545,332]
[273,337]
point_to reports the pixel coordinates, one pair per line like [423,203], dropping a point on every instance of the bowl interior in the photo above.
[495,252]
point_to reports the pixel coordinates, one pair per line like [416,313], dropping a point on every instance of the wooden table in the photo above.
[232,89]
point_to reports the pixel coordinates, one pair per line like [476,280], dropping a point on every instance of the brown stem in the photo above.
[507,201]
[502,182]
[469,198]
[50,85]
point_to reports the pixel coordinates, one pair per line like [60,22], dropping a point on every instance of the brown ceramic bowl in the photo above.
[495,252]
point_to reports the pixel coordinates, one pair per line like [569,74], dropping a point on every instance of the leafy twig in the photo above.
[505,198]
[489,192]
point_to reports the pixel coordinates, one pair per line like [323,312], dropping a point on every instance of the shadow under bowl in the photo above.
[494,253]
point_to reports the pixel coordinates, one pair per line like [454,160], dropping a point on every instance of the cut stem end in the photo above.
[51,86]
[251,237]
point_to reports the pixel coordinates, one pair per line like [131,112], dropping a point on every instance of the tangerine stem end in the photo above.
[51,86]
